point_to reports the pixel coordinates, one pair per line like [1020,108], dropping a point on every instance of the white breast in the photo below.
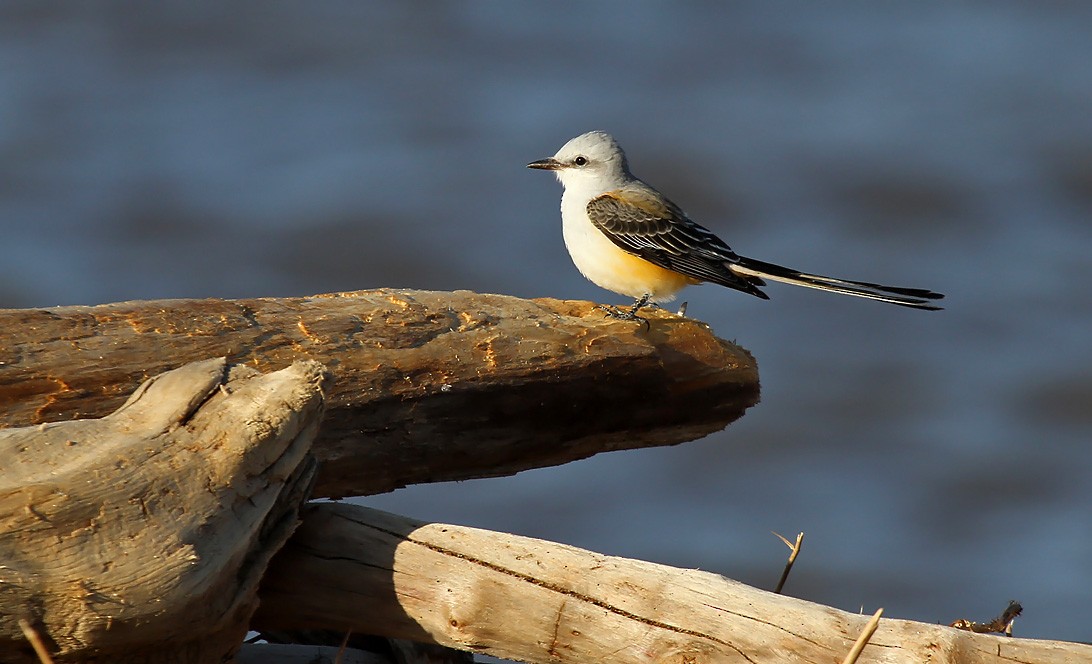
[605,264]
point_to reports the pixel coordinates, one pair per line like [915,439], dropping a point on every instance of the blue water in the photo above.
[938,462]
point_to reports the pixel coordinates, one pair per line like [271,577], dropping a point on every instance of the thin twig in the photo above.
[344,644]
[862,640]
[794,550]
[35,642]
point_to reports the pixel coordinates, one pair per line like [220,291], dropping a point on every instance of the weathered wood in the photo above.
[350,567]
[429,386]
[142,536]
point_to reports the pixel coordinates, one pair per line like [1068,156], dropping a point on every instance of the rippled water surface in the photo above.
[938,462]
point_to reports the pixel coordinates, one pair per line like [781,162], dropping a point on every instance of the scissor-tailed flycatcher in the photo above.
[627,237]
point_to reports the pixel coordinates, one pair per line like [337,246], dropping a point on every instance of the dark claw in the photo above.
[615,312]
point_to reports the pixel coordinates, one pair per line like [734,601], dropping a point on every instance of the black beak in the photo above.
[550,164]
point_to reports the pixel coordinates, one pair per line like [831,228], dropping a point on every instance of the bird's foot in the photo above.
[631,313]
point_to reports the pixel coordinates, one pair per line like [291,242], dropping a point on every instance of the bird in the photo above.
[627,237]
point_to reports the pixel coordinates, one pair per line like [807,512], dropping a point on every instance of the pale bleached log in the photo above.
[429,386]
[350,567]
[142,536]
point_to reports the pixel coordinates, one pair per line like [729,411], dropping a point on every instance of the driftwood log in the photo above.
[429,386]
[354,568]
[142,536]
[98,538]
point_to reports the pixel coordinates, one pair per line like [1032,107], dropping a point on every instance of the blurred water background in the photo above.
[938,462]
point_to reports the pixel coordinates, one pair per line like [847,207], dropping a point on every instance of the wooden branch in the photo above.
[429,386]
[142,536]
[349,567]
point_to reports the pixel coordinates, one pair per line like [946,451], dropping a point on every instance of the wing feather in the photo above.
[655,229]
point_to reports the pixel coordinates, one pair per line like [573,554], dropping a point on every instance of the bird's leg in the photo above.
[643,301]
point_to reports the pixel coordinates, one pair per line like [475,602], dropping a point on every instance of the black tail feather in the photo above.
[917,298]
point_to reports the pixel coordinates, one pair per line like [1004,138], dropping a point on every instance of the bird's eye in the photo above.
[581,161]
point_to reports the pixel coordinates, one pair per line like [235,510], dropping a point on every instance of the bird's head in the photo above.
[593,160]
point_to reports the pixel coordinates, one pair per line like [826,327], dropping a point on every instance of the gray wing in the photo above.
[655,229]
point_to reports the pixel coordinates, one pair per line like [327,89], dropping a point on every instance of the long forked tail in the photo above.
[916,298]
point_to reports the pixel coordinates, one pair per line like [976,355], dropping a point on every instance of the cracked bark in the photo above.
[430,386]
[354,568]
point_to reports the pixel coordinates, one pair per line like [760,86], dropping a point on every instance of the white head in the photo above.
[590,161]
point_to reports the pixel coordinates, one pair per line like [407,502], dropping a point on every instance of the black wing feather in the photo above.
[658,231]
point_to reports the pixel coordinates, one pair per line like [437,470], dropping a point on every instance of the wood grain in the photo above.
[353,568]
[142,536]
[429,386]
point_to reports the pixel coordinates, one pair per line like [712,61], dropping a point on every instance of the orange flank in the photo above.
[630,274]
